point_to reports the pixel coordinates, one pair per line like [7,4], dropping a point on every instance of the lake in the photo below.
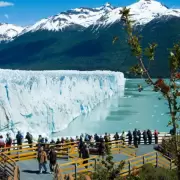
[141,110]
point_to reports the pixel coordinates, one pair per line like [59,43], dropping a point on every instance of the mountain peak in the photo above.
[107,4]
[8,31]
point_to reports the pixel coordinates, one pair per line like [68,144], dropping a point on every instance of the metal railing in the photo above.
[8,168]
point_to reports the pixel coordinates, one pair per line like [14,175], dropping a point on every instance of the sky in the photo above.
[27,12]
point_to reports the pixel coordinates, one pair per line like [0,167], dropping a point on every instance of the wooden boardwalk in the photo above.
[29,169]
[68,156]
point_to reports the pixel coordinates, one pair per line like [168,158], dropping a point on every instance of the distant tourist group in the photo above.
[85,143]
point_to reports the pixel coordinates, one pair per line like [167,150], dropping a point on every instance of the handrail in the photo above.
[132,165]
[161,135]
[66,150]
[9,168]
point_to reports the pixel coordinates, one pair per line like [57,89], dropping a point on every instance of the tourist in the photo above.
[80,147]
[39,139]
[2,143]
[135,138]
[8,143]
[116,136]
[42,159]
[149,134]
[62,140]
[67,140]
[96,138]
[101,149]
[72,139]
[92,141]
[145,136]
[85,154]
[29,138]
[52,159]
[106,139]
[123,137]
[43,140]
[87,137]
[139,136]
[129,134]
[46,140]
[156,136]
[58,141]
[52,142]
[82,136]
[19,138]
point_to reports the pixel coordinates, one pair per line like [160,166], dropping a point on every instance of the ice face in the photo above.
[44,102]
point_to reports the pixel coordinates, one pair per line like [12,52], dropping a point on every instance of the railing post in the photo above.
[18,154]
[156,159]
[170,164]
[143,160]
[95,164]
[129,167]
[68,153]
[75,171]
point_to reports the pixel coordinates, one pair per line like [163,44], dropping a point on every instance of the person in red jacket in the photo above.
[2,143]
[156,136]
[8,142]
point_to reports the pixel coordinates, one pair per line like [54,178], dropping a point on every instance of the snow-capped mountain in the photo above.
[84,17]
[8,31]
[142,12]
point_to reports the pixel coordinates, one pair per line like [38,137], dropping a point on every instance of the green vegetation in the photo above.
[87,49]
[169,90]
[108,171]
[149,172]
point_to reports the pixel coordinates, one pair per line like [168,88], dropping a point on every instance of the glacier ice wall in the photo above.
[43,102]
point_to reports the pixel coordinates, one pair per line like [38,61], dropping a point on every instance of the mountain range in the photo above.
[81,39]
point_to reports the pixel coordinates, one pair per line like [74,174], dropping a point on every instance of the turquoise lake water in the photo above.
[142,110]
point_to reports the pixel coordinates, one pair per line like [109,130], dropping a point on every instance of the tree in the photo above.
[106,168]
[169,90]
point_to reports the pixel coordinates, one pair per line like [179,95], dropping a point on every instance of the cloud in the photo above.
[6,16]
[5,4]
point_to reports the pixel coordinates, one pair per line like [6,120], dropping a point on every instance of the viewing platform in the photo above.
[25,164]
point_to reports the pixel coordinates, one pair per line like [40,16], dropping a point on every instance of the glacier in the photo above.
[45,102]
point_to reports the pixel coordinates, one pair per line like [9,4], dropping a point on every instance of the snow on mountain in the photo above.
[79,16]
[47,101]
[9,31]
[142,12]
[146,10]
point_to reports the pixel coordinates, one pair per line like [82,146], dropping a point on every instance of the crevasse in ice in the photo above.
[47,101]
